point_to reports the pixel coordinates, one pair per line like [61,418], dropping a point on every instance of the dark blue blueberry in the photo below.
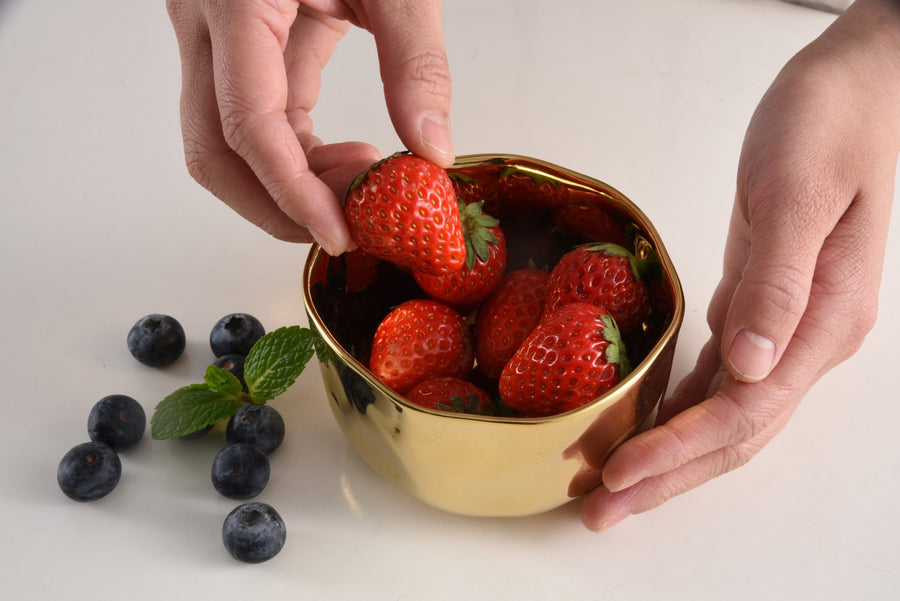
[89,471]
[156,340]
[235,334]
[253,532]
[259,425]
[240,471]
[234,364]
[118,420]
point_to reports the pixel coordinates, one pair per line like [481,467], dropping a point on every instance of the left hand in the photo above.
[802,265]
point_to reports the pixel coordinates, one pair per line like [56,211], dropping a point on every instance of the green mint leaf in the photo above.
[222,380]
[276,360]
[190,409]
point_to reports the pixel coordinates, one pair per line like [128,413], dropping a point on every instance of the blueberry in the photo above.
[156,340]
[240,471]
[253,532]
[118,420]
[235,334]
[234,364]
[89,471]
[259,425]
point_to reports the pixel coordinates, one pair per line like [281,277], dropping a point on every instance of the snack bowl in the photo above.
[495,465]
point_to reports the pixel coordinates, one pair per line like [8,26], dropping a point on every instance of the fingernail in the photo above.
[752,356]
[434,132]
[324,241]
[625,483]
[612,522]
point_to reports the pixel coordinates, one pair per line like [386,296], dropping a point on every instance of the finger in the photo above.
[210,161]
[338,164]
[601,508]
[312,41]
[697,386]
[415,74]
[840,312]
[787,225]
[248,40]
[734,413]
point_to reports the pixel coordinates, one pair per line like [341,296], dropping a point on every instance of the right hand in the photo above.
[251,73]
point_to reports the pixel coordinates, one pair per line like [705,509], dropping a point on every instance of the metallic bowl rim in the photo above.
[634,211]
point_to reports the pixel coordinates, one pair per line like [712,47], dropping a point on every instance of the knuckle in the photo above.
[783,293]
[428,69]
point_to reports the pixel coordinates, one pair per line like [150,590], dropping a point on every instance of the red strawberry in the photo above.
[478,183]
[484,268]
[451,394]
[507,317]
[360,269]
[539,190]
[403,209]
[574,355]
[419,340]
[590,223]
[606,275]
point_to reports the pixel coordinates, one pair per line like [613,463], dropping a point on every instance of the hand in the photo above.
[802,264]
[251,73]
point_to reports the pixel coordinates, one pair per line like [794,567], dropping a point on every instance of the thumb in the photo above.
[773,270]
[415,73]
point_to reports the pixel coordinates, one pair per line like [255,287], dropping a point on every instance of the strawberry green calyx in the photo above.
[615,250]
[615,352]
[358,180]
[476,229]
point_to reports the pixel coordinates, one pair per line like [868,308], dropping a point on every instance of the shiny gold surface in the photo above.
[493,466]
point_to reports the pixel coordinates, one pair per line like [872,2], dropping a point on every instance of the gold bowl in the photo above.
[486,465]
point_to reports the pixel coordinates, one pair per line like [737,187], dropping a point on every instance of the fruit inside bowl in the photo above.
[553,353]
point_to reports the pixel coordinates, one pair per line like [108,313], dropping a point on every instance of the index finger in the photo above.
[248,41]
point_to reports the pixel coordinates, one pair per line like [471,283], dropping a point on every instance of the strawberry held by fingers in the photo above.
[403,209]
[574,355]
[419,340]
[484,267]
[605,275]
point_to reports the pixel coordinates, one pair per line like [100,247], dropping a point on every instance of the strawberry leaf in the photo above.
[476,230]
[615,250]
[615,352]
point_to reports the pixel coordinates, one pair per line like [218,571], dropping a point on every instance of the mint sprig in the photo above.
[271,367]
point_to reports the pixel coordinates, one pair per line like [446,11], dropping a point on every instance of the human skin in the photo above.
[251,74]
[802,266]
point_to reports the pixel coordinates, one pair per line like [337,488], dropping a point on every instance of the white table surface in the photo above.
[101,224]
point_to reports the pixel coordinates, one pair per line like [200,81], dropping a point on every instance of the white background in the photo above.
[101,224]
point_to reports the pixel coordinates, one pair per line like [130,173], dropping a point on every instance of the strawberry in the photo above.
[419,340]
[484,268]
[478,183]
[573,356]
[360,269]
[606,275]
[590,223]
[451,394]
[403,209]
[539,190]
[507,317]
